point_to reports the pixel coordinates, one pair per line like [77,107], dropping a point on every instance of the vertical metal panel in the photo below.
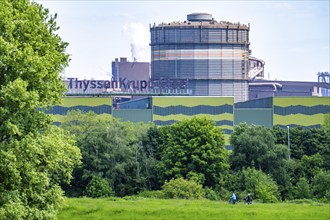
[261,117]
[259,103]
[133,115]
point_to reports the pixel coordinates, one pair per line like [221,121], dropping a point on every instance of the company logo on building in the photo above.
[125,84]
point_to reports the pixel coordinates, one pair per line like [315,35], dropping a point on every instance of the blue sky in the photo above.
[292,37]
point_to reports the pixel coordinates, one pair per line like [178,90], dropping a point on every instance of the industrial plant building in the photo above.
[199,67]
[276,88]
[134,71]
[213,55]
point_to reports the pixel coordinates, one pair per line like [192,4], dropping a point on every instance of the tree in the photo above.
[259,184]
[302,190]
[311,165]
[194,148]
[255,147]
[98,188]
[111,150]
[320,184]
[151,143]
[305,142]
[35,156]
[325,152]
[326,123]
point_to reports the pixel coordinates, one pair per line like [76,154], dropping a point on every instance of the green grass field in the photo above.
[116,208]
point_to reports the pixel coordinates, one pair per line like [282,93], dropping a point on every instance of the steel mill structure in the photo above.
[213,55]
[199,67]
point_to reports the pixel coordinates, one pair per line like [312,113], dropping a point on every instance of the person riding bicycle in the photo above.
[233,199]
[248,199]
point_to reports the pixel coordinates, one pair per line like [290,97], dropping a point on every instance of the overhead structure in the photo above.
[324,77]
[256,68]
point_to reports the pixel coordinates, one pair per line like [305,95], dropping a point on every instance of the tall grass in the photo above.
[140,208]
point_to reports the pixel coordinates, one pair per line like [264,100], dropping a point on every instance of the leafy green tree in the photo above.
[259,184]
[306,142]
[326,123]
[307,168]
[320,185]
[281,135]
[254,146]
[35,156]
[325,150]
[302,190]
[194,148]
[31,50]
[151,143]
[310,153]
[112,150]
[238,130]
[98,188]
[311,165]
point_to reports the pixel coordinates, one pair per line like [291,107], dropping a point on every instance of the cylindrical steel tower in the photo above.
[212,55]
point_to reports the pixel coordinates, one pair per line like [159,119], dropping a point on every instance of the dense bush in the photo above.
[260,185]
[182,189]
[211,194]
[321,183]
[302,189]
[98,188]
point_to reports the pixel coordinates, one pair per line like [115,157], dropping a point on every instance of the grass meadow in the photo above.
[142,208]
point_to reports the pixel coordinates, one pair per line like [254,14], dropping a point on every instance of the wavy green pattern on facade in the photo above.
[190,104]
[101,109]
[192,110]
[101,104]
[305,101]
[191,101]
[195,106]
[86,101]
[300,111]
[179,117]
[61,118]
[299,119]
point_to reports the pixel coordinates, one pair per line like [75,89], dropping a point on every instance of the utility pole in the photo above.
[288,127]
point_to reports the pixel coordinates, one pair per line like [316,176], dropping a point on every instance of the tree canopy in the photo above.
[194,149]
[255,146]
[111,150]
[35,156]
[136,157]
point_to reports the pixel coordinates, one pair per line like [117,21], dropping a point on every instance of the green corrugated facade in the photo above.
[133,115]
[168,110]
[165,110]
[300,111]
[254,116]
[102,106]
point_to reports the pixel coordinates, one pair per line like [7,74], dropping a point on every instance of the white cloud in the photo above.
[139,37]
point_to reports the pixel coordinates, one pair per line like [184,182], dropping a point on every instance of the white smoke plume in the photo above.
[139,36]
